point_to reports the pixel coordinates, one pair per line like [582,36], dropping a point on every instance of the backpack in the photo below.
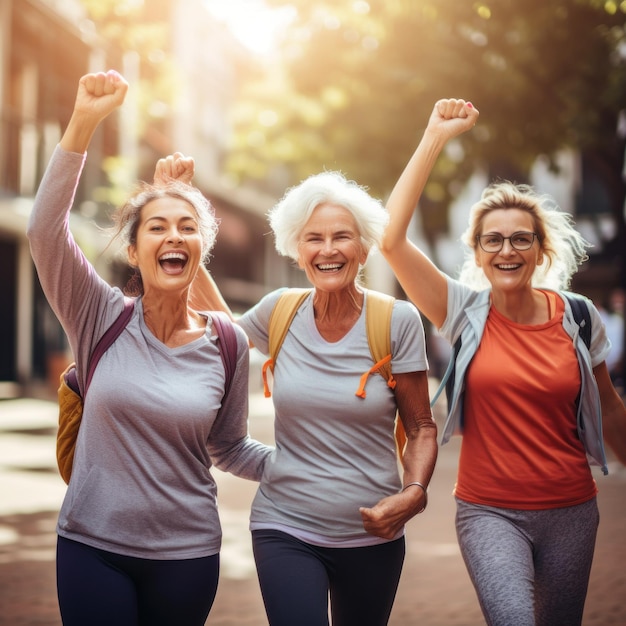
[70,398]
[378,324]
[227,340]
[580,310]
[71,401]
[582,317]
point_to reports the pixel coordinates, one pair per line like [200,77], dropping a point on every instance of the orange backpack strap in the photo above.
[378,325]
[280,319]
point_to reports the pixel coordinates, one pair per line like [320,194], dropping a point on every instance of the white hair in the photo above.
[289,216]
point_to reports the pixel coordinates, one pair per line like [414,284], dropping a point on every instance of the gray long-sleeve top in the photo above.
[141,483]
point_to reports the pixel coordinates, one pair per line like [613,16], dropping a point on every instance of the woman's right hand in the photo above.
[452,117]
[174,167]
[99,94]
[423,283]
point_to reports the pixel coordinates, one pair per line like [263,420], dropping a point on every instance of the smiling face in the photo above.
[168,248]
[509,269]
[330,248]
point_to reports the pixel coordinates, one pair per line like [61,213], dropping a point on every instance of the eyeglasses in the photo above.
[494,241]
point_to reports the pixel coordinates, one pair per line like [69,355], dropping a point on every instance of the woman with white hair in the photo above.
[528,395]
[329,514]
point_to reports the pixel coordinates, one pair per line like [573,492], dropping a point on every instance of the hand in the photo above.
[387,517]
[452,117]
[174,167]
[100,93]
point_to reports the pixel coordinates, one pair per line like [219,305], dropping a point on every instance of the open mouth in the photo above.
[173,262]
[508,267]
[329,267]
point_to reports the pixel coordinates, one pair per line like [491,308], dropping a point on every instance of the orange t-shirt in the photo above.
[520,446]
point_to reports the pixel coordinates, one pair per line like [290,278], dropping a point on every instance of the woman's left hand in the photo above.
[387,518]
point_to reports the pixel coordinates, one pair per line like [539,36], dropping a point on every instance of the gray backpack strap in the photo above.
[447,380]
[582,317]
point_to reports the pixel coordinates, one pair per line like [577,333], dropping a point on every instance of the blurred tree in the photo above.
[141,29]
[138,34]
[357,81]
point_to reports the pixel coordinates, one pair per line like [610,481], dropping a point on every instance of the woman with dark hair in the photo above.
[138,533]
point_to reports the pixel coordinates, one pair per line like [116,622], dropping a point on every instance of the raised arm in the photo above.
[98,95]
[204,294]
[422,281]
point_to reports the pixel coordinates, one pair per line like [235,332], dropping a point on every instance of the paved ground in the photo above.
[434,590]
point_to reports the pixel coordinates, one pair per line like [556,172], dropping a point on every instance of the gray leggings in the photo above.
[529,568]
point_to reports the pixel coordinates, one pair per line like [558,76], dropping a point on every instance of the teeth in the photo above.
[329,266]
[508,267]
[173,255]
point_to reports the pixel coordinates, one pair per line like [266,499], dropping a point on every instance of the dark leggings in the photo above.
[100,588]
[296,578]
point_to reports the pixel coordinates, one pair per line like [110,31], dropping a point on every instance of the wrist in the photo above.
[79,131]
[436,138]
[423,488]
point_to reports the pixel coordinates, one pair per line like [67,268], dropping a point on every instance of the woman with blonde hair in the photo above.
[529,397]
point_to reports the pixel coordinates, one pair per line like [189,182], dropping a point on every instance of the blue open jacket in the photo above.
[467,316]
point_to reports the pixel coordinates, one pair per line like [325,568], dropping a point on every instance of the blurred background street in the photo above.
[434,589]
[263,93]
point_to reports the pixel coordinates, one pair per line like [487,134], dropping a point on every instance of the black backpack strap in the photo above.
[582,317]
[452,377]
[111,334]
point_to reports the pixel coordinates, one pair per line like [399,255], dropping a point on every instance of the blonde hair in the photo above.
[563,247]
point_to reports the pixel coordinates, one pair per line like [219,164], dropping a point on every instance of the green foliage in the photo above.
[358,80]
[138,36]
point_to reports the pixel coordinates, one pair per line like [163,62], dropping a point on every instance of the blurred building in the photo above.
[45,47]
[42,52]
